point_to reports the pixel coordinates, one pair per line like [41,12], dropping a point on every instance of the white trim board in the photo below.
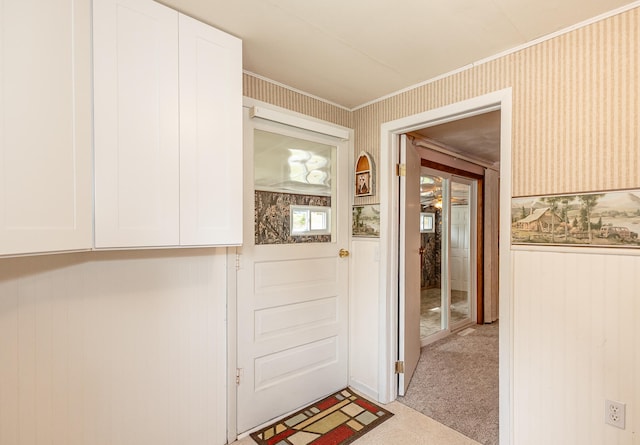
[388,297]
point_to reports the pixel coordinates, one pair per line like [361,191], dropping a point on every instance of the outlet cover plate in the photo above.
[614,413]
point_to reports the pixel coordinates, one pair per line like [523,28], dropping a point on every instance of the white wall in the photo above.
[364,313]
[576,342]
[113,348]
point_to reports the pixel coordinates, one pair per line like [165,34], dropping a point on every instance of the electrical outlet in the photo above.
[614,413]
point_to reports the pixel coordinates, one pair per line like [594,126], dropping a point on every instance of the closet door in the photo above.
[136,124]
[45,126]
[210,135]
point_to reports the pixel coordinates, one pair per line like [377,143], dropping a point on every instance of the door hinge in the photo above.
[401,169]
[399,367]
[237,261]
[238,375]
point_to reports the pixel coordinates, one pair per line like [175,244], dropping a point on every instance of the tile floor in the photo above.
[430,310]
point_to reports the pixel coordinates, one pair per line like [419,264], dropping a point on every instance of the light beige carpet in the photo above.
[456,383]
[406,427]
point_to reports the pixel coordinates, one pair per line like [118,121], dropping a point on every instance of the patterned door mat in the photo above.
[336,420]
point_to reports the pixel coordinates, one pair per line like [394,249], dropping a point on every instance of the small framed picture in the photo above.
[363,184]
[364,175]
[427,222]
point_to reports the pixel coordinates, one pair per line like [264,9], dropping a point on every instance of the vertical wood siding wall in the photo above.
[113,348]
[576,343]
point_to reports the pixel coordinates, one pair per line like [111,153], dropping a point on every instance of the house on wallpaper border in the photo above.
[540,220]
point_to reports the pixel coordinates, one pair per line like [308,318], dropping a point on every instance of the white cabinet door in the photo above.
[210,135]
[136,124]
[45,126]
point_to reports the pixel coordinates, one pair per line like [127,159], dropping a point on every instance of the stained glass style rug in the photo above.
[337,420]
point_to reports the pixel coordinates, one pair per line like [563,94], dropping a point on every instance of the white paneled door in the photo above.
[292,281]
[409,279]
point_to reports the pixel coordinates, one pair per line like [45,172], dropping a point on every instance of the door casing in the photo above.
[388,322]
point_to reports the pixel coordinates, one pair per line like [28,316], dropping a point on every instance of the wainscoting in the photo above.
[114,348]
[576,343]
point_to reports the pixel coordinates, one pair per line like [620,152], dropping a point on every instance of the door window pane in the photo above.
[310,220]
[432,316]
[293,180]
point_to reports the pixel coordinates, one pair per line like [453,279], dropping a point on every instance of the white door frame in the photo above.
[281,115]
[388,297]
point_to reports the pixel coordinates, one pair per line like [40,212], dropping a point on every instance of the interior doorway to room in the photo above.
[453,204]
[392,350]
[459,196]
[448,260]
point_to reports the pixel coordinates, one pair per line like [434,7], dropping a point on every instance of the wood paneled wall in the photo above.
[113,348]
[576,343]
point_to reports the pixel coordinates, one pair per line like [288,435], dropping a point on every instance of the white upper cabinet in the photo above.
[168,110]
[210,135]
[45,126]
[136,124]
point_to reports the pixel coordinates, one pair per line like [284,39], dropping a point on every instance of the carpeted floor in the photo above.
[456,383]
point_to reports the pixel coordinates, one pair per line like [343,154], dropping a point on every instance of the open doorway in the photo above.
[389,187]
[456,377]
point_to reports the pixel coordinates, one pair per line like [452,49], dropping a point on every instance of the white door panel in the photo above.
[462,252]
[292,298]
[409,279]
[459,260]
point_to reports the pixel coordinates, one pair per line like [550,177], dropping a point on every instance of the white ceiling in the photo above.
[351,52]
[476,137]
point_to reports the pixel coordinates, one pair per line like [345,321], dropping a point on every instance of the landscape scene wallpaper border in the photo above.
[366,221]
[597,219]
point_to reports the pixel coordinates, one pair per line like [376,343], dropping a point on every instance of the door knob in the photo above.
[343,253]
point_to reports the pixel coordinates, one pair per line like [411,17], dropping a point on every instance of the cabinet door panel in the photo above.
[45,126]
[136,124]
[210,135]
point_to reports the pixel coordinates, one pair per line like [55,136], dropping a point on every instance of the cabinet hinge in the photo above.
[238,375]
[237,261]
[399,367]
[401,169]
